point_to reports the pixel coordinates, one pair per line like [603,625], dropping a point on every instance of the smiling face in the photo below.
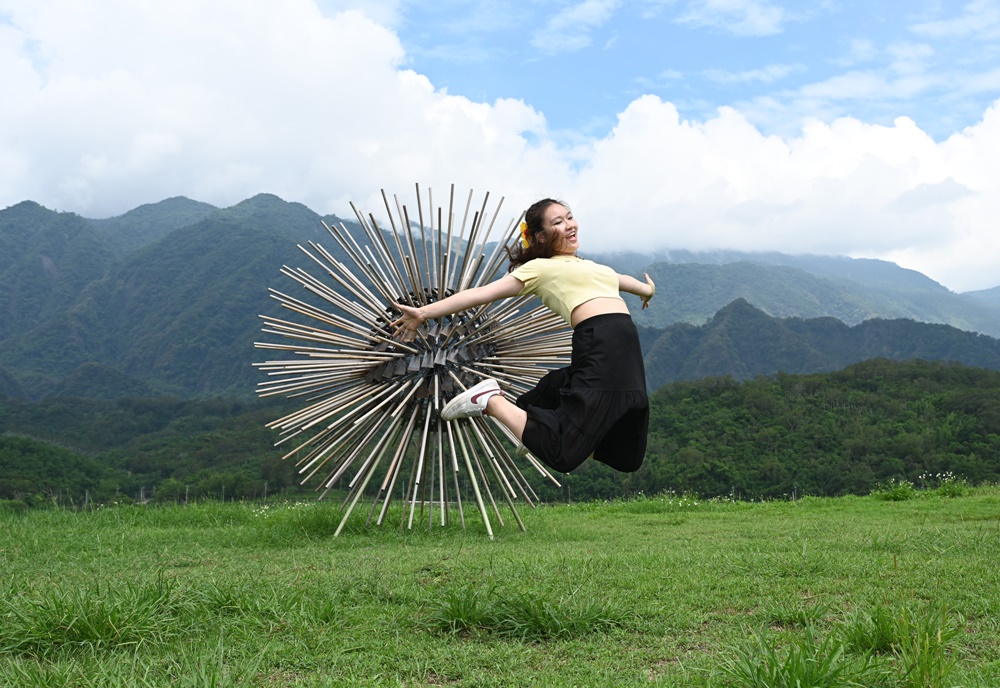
[559,219]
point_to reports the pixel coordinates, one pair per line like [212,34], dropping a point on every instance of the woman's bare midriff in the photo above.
[598,306]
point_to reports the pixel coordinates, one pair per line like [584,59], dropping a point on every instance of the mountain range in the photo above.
[743,342]
[165,299]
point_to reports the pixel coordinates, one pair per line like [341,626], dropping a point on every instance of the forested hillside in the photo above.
[118,336]
[824,434]
[66,449]
[743,342]
[46,260]
[820,434]
[866,272]
[179,315]
[694,292]
[165,299]
[149,223]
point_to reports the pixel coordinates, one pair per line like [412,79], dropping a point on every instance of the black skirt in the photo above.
[598,405]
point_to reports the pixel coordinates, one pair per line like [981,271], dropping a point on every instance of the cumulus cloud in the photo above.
[844,187]
[388,13]
[217,103]
[112,104]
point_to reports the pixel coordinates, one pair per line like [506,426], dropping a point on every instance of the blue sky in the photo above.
[867,129]
[581,63]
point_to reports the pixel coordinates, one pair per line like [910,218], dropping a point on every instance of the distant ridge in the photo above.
[165,299]
[743,342]
[849,289]
[990,296]
[151,222]
[867,272]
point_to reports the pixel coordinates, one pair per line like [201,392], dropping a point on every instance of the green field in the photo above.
[661,591]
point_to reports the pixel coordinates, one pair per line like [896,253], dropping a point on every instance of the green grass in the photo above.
[659,591]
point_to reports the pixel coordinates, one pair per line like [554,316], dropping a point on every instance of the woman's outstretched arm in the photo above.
[644,290]
[406,325]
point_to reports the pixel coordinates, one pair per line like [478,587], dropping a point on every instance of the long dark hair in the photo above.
[541,242]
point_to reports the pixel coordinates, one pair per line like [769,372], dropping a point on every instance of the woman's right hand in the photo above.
[407,324]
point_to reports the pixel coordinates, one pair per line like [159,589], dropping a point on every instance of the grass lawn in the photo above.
[660,591]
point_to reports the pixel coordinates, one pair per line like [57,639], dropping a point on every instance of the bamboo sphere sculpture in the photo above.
[372,403]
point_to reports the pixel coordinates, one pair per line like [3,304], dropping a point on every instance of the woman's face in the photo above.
[559,219]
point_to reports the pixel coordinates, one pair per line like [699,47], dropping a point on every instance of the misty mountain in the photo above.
[867,272]
[990,296]
[149,223]
[743,342]
[166,298]
[9,385]
[691,287]
[180,314]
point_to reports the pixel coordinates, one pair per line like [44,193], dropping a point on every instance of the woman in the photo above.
[597,405]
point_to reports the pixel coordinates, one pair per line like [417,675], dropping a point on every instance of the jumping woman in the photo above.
[598,405]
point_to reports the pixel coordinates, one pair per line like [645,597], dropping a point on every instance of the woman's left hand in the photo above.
[652,291]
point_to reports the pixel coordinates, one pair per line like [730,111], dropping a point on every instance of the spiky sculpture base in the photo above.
[372,402]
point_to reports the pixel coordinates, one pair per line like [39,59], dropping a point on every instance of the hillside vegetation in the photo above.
[792,292]
[696,284]
[179,315]
[820,434]
[743,342]
[165,299]
[126,351]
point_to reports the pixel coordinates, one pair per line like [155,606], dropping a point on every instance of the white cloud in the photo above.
[980,18]
[217,103]
[844,187]
[859,51]
[111,104]
[846,86]
[570,29]
[843,93]
[909,58]
[740,17]
[388,13]
[764,75]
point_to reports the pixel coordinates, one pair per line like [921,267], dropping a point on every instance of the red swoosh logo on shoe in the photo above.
[475,398]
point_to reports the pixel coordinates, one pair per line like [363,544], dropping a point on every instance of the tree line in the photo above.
[771,437]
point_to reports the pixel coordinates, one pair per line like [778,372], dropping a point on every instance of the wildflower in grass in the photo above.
[894,491]
[945,484]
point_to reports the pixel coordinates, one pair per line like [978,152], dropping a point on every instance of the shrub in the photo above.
[894,491]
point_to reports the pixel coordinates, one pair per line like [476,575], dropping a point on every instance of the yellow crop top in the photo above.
[564,282]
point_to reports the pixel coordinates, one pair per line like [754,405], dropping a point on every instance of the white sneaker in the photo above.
[471,402]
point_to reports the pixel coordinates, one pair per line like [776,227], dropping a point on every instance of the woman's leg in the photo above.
[604,382]
[507,413]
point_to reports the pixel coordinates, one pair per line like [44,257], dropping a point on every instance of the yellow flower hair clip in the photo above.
[525,242]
